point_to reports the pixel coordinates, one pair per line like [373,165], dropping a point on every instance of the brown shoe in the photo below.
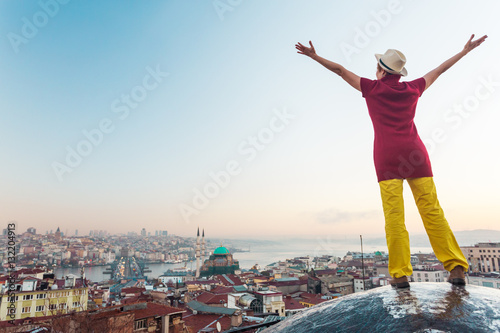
[457,276]
[400,283]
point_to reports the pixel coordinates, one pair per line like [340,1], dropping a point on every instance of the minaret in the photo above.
[203,248]
[198,254]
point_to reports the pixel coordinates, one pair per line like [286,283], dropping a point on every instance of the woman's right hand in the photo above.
[308,51]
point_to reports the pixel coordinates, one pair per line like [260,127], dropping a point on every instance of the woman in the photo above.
[400,154]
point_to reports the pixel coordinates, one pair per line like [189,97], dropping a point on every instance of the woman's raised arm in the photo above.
[435,73]
[347,75]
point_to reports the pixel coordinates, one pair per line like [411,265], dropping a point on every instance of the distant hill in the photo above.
[340,244]
[464,238]
[471,237]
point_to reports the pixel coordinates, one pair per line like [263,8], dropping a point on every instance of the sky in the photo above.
[169,115]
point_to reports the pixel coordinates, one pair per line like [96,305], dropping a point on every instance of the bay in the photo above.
[262,252]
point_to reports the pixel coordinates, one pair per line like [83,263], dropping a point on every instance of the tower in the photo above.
[198,254]
[203,248]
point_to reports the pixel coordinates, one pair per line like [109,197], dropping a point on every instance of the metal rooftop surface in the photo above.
[200,307]
[425,307]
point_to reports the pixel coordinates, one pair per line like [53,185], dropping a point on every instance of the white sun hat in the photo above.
[392,61]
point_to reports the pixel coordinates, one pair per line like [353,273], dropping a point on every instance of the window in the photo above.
[40,308]
[53,306]
[27,309]
[138,324]
[62,306]
[27,297]
[13,299]
[76,304]
[41,296]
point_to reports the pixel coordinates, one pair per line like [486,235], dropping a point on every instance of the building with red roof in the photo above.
[138,317]
[229,280]
[212,299]
[132,291]
[222,290]
[292,305]
[289,286]
[308,299]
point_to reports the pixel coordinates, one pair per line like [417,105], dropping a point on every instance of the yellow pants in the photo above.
[440,235]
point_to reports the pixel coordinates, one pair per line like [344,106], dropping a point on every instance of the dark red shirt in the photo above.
[398,150]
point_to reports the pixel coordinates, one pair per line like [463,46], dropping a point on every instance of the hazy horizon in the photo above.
[419,239]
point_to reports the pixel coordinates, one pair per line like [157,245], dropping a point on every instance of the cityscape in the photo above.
[203,286]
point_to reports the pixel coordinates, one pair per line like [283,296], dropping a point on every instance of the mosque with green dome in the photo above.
[220,262]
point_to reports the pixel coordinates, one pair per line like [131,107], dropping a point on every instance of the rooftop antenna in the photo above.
[362,262]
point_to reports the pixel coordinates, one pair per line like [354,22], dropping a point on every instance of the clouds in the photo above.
[335,216]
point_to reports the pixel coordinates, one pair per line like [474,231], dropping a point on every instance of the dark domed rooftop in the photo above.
[426,307]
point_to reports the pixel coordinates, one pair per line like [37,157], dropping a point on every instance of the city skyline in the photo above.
[169,116]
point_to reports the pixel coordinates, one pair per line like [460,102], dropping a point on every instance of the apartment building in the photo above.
[30,297]
[429,275]
[483,257]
